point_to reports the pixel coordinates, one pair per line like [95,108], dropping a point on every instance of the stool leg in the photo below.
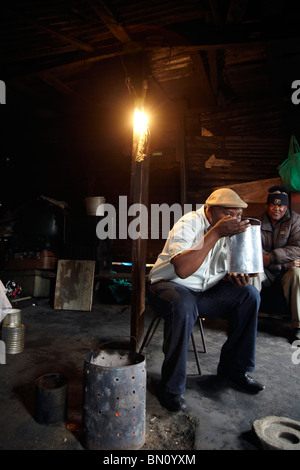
[196,354]
[150,332]
[202,333]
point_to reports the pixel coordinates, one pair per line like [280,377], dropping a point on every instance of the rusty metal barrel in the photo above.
[114,400]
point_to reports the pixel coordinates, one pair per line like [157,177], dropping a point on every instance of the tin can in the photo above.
[13,336]
[13,317]
[245,250]
[51,396]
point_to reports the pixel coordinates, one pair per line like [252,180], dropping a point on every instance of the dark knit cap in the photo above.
[278,195]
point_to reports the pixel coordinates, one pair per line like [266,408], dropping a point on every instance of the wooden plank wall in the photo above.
[231,147]
[222,147]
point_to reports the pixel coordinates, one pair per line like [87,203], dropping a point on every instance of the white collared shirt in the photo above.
[188,233]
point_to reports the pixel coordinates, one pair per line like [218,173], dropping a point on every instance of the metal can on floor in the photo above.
[51,397]
[13,336]
[13,317]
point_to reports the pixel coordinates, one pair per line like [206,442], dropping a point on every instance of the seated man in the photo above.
[280,232]
[190,278]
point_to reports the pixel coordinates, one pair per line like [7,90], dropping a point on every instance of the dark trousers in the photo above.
[180,306]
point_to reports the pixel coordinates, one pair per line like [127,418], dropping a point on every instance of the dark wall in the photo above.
[68,147]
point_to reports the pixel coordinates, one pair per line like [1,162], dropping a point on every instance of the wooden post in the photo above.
[139,195]
[181,156]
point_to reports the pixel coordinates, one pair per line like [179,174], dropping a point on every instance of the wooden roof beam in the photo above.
[98,55]
[105,15]
[53,82]
[75,42]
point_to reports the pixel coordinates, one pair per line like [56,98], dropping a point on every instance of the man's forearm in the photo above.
[187,262]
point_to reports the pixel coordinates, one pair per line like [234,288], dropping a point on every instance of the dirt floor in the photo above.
[167,430]
[218,417]
[58,341]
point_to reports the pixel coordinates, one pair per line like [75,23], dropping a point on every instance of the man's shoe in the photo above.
[243,380]
[173,402]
